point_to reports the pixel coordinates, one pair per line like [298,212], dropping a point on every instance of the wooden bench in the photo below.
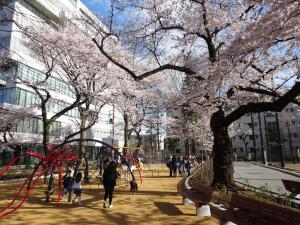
[292,186]
[240,208]
[152,171]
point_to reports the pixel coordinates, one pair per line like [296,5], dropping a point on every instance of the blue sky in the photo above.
[97,6]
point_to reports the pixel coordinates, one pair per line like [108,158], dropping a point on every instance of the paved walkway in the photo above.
[257,176]
[157,202]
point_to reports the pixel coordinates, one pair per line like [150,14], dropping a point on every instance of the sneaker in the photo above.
[104,204]
[110,206]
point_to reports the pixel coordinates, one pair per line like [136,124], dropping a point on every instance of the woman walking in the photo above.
[77,188]
[109,182]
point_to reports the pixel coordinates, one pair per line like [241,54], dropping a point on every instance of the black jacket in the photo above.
[110,176]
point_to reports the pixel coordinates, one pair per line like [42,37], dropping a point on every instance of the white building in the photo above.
[265,134]
[15,94]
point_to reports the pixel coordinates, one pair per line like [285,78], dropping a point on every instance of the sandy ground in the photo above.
[157,202]
[293,166]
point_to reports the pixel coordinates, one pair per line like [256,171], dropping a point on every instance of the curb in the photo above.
[278,169]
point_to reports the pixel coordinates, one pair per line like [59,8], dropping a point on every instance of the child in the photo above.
[133,186]
[67,181]
[77,188]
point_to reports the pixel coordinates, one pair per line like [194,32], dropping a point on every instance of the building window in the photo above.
[32,75]
[35,126]
[241,149]
[17,96]
[295,135]
[293,122]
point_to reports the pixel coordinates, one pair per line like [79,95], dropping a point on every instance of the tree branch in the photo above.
[148,73]
[276,106]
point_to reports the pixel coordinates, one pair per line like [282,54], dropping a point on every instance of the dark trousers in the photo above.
[109,190]
[174,172]
[188,172]
[133,189]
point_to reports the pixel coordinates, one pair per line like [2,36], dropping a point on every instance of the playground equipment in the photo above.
[55,158]
[131,155]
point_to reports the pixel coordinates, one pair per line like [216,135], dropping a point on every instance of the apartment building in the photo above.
[15,94]
[253,134]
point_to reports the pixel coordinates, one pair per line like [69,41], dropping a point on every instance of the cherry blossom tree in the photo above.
[70,57]
[213,42]
[10,118]
[134,99]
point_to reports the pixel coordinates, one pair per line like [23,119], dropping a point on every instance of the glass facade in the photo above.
[35,126]
[18,96]
[28,74]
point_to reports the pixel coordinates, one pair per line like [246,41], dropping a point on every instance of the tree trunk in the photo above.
[46,142]
[139,140]
[86,170]
[82,149]
[126,131]
[222,152]
[187,147]
[50,185]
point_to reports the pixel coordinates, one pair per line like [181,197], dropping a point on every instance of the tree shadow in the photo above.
[168,208]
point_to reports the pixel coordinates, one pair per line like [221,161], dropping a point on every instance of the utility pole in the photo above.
[279,136]
[263,152]
[280,142]
[253,133]
[267,137]
[151,143]
[157,131]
